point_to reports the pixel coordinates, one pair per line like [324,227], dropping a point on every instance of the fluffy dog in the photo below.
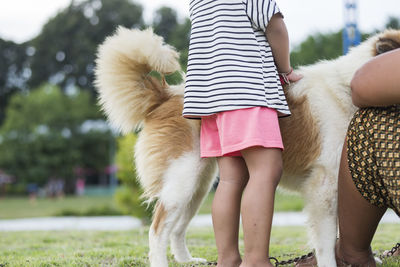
[167,152]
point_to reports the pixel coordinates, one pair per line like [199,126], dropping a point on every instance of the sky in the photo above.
[21,20]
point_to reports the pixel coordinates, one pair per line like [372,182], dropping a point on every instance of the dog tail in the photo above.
[127,93]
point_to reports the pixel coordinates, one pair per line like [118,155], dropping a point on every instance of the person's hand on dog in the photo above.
[289,77]
[294,77]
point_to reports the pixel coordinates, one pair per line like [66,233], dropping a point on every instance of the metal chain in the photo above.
[305,256]
[391,252]
[209,263]
[291,261]
[295,260]
[277,262]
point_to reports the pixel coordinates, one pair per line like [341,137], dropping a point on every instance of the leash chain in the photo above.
[294,260]
[391,252]
[280,263]
[277,262]
[291,261]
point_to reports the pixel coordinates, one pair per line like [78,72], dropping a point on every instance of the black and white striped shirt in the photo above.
[230,64]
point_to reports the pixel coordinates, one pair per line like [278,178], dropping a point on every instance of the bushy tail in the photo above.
[126,92]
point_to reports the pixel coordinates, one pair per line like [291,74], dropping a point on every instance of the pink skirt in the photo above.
[227,133]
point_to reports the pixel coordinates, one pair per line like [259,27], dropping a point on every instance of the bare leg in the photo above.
[358,219]
[265,168]
[226,209]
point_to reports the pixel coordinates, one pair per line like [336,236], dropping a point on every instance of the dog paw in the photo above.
[189,259]
[378,261]
[198,260]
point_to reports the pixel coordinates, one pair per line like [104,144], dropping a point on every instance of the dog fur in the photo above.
[167,152]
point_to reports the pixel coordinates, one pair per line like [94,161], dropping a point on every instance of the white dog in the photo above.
[167,151]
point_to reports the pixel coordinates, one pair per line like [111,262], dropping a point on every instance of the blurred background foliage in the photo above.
[47,134]
[128,195]
[50,124]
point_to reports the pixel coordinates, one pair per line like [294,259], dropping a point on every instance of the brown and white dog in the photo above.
[167,151]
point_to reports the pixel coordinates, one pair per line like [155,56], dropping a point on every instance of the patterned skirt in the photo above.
[373,141]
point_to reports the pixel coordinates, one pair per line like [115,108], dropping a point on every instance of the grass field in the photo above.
[21,207]
[88,248]
[130,248]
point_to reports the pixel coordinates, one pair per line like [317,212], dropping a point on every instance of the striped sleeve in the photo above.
[261,11]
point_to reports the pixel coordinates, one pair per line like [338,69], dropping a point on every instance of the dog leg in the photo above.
[168,217]
[320,193]
[178,236]
[182,181]
[159,232]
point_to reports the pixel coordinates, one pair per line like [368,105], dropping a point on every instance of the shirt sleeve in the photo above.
[260,12]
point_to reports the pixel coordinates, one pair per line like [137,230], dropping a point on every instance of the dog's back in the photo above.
[321,109]
[313,136]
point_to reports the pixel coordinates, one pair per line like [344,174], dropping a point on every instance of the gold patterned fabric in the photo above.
[373,141]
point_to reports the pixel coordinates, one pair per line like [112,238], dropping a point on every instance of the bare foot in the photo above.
[229,263]
[341,261]
[395,251]
[346,259]
[261,263]
[307,262]
[264,264]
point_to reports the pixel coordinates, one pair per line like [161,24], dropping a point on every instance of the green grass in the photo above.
[21,207]
[130,248]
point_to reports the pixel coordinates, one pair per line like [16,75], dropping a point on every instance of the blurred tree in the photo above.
[48,134]
[126,172]
[180,39]
[317,47]
[13,71]
[65,50]
[128,194]
[393,23]
[165,22]
[175,33]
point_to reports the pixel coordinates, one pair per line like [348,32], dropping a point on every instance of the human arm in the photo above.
[278,39]
[377,82]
